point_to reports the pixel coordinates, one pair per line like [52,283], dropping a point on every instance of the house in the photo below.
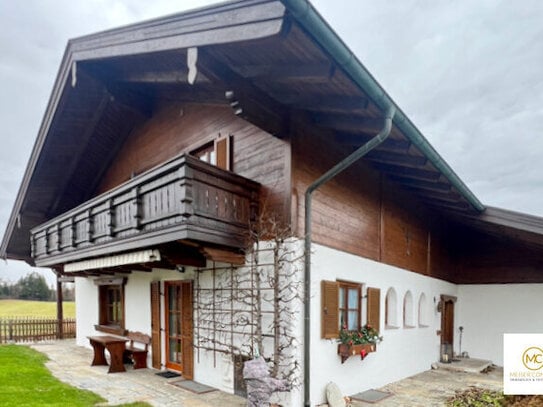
[168,145]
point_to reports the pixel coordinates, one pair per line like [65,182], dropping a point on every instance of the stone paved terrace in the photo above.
[433,387]
[71,364]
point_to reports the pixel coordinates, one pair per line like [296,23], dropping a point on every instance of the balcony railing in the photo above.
[184,199]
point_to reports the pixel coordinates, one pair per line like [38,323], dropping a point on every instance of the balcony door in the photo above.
[179,352]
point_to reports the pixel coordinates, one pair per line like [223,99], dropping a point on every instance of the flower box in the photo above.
[345,350]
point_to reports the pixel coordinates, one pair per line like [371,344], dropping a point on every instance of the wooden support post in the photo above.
[60,314]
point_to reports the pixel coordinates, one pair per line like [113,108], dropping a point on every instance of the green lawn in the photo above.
[23,308]
[25,381]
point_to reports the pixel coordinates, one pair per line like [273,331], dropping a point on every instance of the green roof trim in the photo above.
[316,26]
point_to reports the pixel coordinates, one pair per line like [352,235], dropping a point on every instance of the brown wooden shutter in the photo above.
[329,310]
[187,330]
[223,151]
[374,308]
[155,324]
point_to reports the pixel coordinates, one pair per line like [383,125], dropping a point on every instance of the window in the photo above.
[349,306]
[217,152]
[342,306]
[111,302]
[207,154]
[391,309]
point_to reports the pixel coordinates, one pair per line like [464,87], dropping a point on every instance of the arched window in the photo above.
[391,309]
[423,311]
[408,314]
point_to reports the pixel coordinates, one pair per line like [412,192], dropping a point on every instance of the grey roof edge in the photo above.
[70,55]
[304,12]
[511,219]
[171,18]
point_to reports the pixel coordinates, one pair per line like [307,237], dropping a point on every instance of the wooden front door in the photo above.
[447,320]
[179,352]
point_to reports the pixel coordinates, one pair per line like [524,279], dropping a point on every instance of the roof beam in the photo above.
[396,158]
[247,101]
[348,123]
[356,140]
[406,172]
[420,184]
[167,77]
[320,103]
[461,205]
[440,196]
[315,72]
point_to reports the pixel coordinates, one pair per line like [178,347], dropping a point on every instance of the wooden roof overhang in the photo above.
[505,225]
[254,55]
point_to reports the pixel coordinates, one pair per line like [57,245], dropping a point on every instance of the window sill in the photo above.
[114,330]
[409,326]
[391,327]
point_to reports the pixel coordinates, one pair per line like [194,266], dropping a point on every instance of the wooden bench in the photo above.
[137,354]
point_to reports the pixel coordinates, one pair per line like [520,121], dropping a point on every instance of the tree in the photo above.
[34,287]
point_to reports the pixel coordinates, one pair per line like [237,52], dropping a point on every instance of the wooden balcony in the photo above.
[184,199]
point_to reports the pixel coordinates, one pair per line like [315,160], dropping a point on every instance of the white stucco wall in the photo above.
[488,311]
[86,309]
[485,312]
[403,352]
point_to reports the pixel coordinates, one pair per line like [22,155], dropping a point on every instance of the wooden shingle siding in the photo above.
[364,213]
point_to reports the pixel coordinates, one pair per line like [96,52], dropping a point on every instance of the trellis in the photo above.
[248,310]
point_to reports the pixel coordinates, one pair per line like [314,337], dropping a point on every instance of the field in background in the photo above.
[23,308]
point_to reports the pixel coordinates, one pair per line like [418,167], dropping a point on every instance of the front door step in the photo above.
[466,365]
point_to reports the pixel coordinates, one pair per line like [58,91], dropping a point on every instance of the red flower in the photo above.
[351,343]
[363,354]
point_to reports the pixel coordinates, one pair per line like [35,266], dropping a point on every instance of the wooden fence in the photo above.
[32,329]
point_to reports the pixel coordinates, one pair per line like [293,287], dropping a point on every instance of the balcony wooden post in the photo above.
[72,232]
[186,197]
[58,243]
[90,226]
[60,313]
[33,245]
[136,208]
[110,218]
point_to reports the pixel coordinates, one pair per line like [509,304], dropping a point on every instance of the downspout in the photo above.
[339,167]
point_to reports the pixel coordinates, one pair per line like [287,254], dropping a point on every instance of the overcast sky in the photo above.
[468,73]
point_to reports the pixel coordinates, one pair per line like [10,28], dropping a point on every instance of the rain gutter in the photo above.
[327,176]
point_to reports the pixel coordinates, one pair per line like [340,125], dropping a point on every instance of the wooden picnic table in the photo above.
[115,347]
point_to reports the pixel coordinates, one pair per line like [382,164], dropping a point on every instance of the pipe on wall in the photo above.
[327,176]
